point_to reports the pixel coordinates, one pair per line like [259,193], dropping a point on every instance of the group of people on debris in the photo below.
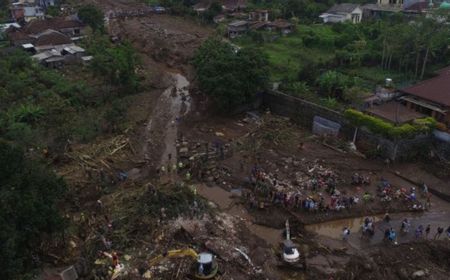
[387,193]
[309,195]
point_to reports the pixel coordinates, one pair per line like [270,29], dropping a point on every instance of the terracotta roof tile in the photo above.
[436,89]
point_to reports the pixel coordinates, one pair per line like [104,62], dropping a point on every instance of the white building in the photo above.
[343,12]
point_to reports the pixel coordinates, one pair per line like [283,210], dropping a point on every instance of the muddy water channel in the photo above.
[225,201]
[179,102]
[439,215]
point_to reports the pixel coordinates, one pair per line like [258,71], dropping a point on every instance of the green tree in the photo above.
[28,211]
[231,77]
[92,16]
[214,10]
[4,9]
[333,83]
[53,11]
[118,65]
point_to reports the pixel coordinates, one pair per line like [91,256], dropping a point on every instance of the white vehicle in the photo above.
[290,252]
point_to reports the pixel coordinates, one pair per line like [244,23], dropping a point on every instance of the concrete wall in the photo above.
[442,148]
[303,113]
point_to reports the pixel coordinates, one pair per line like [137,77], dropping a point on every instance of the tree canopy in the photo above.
[28,211]
[232,78]
[92,16]
[116,63]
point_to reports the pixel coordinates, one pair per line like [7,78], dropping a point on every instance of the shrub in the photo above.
[378,126]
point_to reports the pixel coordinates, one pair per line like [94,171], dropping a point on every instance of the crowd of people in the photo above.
[390,234]
[317,191]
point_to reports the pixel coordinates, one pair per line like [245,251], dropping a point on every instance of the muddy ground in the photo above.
[149,211]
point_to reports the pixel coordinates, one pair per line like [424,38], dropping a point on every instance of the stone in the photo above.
[418,274]
[220,134]
[184,150]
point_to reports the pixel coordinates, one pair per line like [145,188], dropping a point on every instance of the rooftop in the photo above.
[51,37]
[436,89]
[394,112]
[38,26]
[238,23]
[342,8]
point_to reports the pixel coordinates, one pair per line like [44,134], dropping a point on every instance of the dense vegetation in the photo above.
[40,107]
[341,59]
[92,16]
[4,10]
[29,216]
[231,77]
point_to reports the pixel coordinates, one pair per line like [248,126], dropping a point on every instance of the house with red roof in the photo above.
[430,97]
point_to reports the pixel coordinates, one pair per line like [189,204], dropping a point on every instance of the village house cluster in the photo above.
[242,22]
[51,41]
[357,13]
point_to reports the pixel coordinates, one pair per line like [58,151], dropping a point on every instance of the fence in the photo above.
[303,113]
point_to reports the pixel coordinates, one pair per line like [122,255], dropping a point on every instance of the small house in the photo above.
[237,28]
[33,13]
[234,5]
[430,97]
[219,18]
[280,25]
[201,6]
[51,58]
[343,12]
[259,15]
[69,27]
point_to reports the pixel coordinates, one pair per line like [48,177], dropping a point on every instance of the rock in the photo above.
[402,273]
[220,134]
[184,150]
[147,274]
[418,274]
[212,205]
[368,267]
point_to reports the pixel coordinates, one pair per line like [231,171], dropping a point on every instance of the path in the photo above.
[161,129]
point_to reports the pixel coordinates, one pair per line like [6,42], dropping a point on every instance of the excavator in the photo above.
[205,268]
[291,256]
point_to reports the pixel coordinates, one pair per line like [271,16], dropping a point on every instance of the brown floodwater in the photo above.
[224,200]
[439,216]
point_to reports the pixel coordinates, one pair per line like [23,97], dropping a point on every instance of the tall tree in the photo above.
[231,77]
[28,211]
[92,16]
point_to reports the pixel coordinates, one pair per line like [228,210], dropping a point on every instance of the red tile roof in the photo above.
[52,38]
[436,89]
[38,26]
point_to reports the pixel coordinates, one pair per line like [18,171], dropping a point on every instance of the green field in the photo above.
[287,54]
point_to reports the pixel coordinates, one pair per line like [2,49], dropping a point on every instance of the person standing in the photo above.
[393,236]
[419,231]
[439,232]
[345,233]
[387,218]
[427,231]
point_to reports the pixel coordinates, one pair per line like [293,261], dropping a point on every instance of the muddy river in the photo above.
[439,216]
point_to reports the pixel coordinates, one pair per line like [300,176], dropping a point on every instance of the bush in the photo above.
[333,83]
[387,129]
